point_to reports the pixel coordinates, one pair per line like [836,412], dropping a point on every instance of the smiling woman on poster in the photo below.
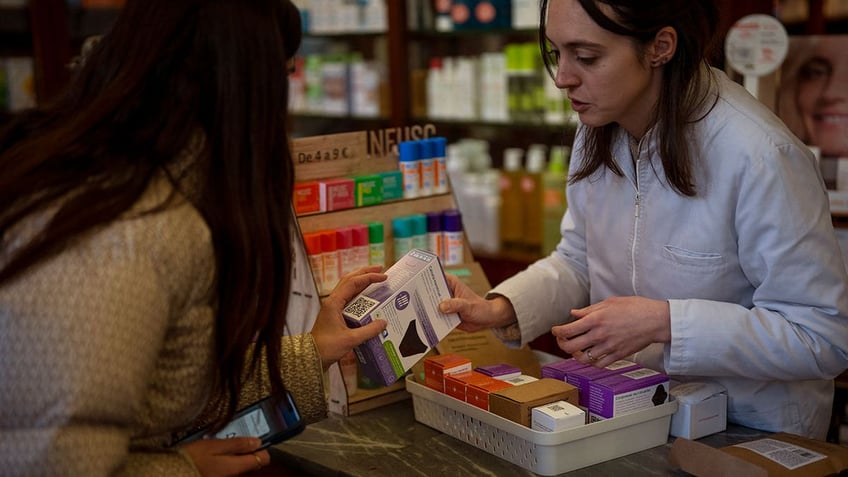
[813,99]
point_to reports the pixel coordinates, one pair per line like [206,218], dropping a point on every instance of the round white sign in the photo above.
[756,45]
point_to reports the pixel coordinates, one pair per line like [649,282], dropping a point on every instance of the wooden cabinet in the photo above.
[51,32]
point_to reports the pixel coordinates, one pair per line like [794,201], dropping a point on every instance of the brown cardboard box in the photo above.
[516,403]
[823,459]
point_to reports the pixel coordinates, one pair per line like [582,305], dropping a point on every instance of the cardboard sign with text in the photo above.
[778,455]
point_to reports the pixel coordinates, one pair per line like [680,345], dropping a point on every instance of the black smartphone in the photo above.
[271,420]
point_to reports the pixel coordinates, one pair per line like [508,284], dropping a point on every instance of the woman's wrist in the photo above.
[502,311]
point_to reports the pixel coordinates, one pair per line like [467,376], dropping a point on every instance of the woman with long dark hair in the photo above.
[147,257]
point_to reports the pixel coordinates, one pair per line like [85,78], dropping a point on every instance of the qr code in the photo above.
[360,307]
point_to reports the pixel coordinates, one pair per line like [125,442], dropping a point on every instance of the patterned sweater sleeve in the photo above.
[302,374]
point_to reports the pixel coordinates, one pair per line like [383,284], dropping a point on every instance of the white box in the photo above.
[409,302]
[556,416]
[701,410]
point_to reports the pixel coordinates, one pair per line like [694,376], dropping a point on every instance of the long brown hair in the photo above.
[683,93]
[165,71]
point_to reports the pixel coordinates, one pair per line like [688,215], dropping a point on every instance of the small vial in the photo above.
[347,254]
[410,165]
[439,144]
[376,244]
[361,253]
[402,231]
[330,257]
[452,233]
[427,168]
[312,242]
[434,234]
[419,231]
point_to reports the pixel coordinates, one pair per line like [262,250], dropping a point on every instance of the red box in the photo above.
[456,384]
[306,198]
[439,366]
[477,393]
[336,194]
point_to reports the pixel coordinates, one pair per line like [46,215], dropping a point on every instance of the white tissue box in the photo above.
[701,409]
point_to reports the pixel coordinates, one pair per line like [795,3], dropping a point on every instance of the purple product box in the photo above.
[581,377]
[499,371]
[409,302]
[559,369]
[627,392]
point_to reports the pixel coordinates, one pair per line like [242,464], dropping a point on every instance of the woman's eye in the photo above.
[586,60]
[815,69]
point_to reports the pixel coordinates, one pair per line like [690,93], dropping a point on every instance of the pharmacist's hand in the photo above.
[613,329]
[225,457]
[476,312]
[332,336]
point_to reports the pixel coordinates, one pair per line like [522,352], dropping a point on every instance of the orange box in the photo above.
[477,393]
[307,198]
[439,366]
[456,384]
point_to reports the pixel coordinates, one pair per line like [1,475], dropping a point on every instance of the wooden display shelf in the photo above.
[360,153]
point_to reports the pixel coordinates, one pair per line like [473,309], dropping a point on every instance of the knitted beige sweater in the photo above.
[106,349]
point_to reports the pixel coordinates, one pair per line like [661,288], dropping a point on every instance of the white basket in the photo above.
[545,453]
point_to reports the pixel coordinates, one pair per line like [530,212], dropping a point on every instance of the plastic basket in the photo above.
[545,453]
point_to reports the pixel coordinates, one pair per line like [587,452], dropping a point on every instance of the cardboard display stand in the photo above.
[353,154]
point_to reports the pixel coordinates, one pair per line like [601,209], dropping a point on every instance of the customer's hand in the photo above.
[332,336]
[226,457]
[475,312]
[614,328]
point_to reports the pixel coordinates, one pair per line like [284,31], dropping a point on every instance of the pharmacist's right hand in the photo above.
[476,312]
[331,334]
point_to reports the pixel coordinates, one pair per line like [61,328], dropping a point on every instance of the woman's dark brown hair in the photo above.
[166,71]
[683,93]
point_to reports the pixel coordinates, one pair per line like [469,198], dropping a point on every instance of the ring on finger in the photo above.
[259,464]
[589,354]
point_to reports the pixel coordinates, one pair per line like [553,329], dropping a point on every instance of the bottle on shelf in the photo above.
[554,182]
[531,199]
[512,222]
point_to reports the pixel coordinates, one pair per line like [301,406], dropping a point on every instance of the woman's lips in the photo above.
[831,118]
[579,106]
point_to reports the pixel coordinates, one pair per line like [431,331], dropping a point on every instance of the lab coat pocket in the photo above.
[690,259]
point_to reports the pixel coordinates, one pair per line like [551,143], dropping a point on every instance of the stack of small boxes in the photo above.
[542,404]
[619,388]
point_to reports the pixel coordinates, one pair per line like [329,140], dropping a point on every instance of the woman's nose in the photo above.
[837,84]
[564,78]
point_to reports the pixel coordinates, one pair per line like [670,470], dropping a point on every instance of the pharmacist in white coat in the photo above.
[698,239]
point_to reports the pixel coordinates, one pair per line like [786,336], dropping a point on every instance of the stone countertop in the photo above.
[388,441]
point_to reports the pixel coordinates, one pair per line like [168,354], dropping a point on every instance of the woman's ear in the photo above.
[662,48]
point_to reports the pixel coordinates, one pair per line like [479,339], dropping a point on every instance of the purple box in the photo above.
[626,392]
[559,369]
[581,377]
[499,371]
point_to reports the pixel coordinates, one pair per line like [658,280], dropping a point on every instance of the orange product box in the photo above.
[477,393]
[439,366]
[456,384]
[307,198]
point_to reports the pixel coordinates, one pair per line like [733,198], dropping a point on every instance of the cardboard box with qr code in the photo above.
[409,302]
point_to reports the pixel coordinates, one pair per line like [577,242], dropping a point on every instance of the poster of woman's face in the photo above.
[813,94]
